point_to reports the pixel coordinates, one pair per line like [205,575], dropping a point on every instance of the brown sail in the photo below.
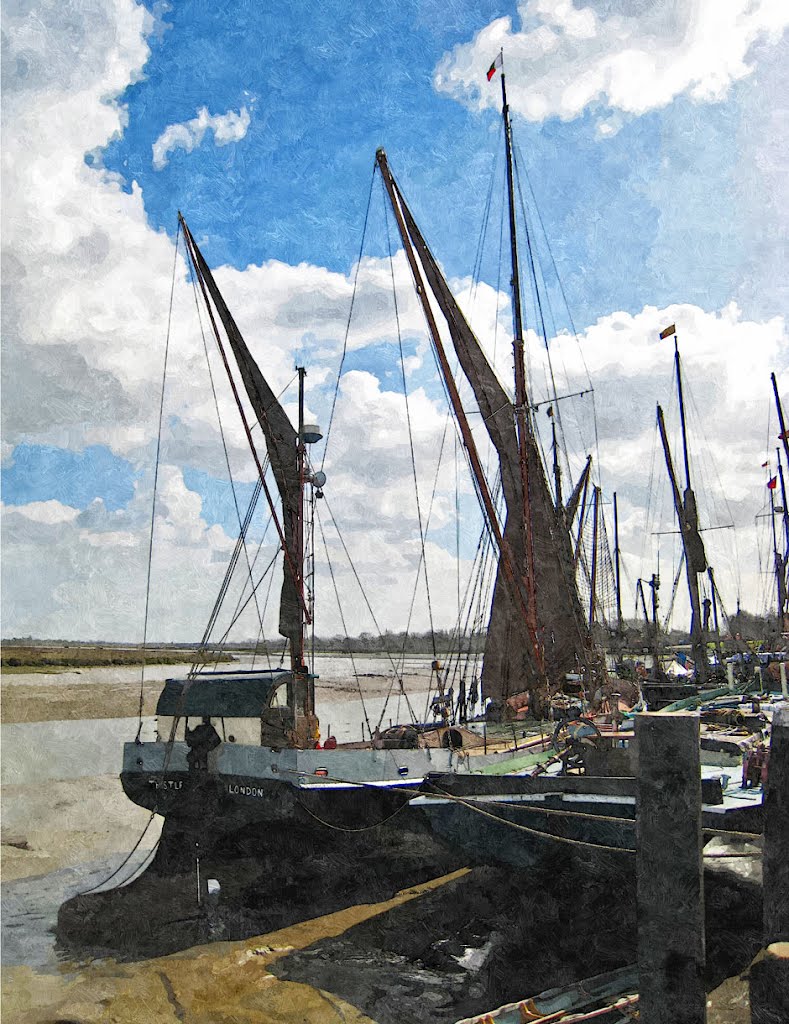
[281,440]
[509,665]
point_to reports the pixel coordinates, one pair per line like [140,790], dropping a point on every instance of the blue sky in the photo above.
[650,198]
[327,84]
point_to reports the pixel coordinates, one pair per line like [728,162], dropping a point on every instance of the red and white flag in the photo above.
[495,66]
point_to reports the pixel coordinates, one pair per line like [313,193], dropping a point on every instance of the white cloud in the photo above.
[188,135]
[84,323]
[612,55]
[50,512]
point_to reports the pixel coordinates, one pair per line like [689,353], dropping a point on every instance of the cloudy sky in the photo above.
[651,139]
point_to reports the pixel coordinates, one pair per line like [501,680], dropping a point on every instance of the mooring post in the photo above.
[782,674]
[730,675]
[670,891]
[770,972]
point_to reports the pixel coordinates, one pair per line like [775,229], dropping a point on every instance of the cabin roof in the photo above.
[229,695]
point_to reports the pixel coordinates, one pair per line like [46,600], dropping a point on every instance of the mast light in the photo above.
[311,433]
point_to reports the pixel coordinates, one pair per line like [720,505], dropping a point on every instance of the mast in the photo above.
[780,578]
[512,575]
[593,583]
[715,620]
[618,578]
[682,414]
[694,552]
[784,437]
[557,470]
[782,582]
[654,586]
[521,398]
[297,649]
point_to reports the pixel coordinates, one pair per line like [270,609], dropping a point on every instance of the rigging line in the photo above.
[536,208]
[538,299]
[537,832]
[457,520]
[421,557]
[477,265]
[367,603]
[473,587]
[472,806]
[473,584]
[223,638]
[243,525]
[344,626]
[227,578]
[261,614]
[124,862]
[346,828]
[498,274]
[155,484]
[350,316]
[262,634]
[674,589]
[422,530]
[192,251]
[136,872]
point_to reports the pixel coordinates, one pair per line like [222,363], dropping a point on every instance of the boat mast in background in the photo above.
[687,515]
[522,410]
[781,561]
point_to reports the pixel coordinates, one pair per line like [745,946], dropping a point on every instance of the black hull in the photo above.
[284,853]
[279,855]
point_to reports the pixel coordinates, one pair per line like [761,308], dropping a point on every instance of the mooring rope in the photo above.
[155,484]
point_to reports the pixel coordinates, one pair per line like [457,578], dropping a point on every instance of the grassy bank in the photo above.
[41,658]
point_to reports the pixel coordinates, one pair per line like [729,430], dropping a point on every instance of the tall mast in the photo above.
[682,413]
[783,501]
[689,528]
[784,437]
[780,566]
[511,570]
[617,569]
[297,654]
[593,581]
[785,442]
[557,470]
[521,398]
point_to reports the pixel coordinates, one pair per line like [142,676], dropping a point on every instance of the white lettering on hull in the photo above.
[236,790]
[166,783]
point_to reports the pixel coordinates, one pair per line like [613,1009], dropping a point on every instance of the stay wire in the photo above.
[368,605]
[350,316]
[155,485]
[243,525]
[342,620]
[422,530]
[124,862]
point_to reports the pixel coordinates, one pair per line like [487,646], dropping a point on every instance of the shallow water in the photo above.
[38,753]
[30,906]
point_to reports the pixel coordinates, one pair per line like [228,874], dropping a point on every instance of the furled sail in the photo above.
[281,440]
[510,666]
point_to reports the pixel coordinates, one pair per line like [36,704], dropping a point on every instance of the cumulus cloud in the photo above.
[615,55]
[84,323]
[188,135]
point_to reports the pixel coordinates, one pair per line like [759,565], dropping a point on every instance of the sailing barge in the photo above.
[286,829]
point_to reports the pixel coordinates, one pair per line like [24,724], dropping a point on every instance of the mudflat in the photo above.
[73,694]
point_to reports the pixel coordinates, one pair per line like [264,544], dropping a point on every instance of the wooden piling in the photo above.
[776,832]
[769,974]
[670,892]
